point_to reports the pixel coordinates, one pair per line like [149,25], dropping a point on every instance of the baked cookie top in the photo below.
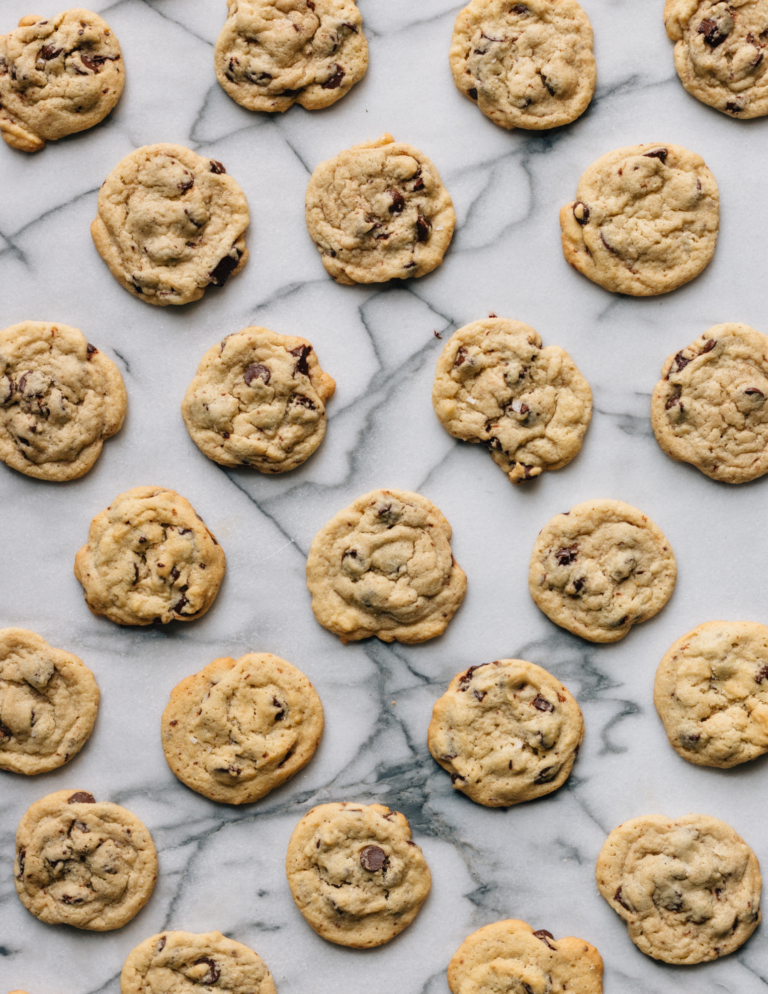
[59,399]
[81,862]
[528,65]
[170,224]
[645,219]
[600,568]
[185,962]
[355,874]
[57,76]
[258,400]
[150,558]
[510,956]
[274,53]
[530,405]
[688,889]
[379,211]
[506,731]
[709,408]
[383,566]
[48,703]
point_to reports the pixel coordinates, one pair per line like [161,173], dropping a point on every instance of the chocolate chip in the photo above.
[461,356]
[567,555]
[418,182]
[712,33]
[761,674]
[679,362]
[373,859]
[620,900]
[423,228]
[224,269]
[520,8]
[610,249]
[480,694]
[160,945]
[335,79]
[187,184]
[466,678]
[180,604]
[578,583]
[301,354]
[20,857]
[398,201]
[657,153]
[754,392]
[81,797]
[92,350]
[581,212]
[708,346]
[217,167]
[214,970]
[547,775]
[48,52]
[4,732]
[733,107]
[95,62]
[457,776]
[473,92]
[671,401]
[281,709]
[256,372]
[542,704]
[68,899]
[301,401]
[544,935]
[352,553]
[175,574]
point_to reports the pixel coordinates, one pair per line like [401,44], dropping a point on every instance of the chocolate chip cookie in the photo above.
[645,220]
[258,400]
[57,76]
[170,224]
[383,567]
[274,53]
[379,211]
[82,862]
[530,405]
[150,558]
[355,874]
[688,889]
[600,568]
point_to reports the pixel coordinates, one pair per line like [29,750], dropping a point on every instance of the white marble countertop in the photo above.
[221,867]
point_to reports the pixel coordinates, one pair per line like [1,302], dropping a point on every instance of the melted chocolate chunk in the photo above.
[301,401]
[473,93]
[256,372]
[547,775]
[92,350]
[708,346]
[301,354]
[398,201]
[81,797]
[466,678]
[180,604]
[335,79]
[581,212]
[224,269]
[217,167]
[657,153]
[542,704]
[373,859]
[161,944]
[95,62]
[713,36]
[187,184]
[620,900]
[214,970]
[567,555]
[544,935]
[48,52]
[761,674]
[423,228]
[733,107]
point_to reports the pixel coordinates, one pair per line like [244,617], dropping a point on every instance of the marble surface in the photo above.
[220,867]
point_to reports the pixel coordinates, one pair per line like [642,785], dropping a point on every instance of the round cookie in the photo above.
[645,220]
[81,862]
[709,409]
[495,384]
[355,874]
[527,65]
[383,567]
[688,889]
[57,76]
[170,224]
[59,399]
[601,568]
[272,53]
[510,956]
[150,558]
[379,211]
[48,703]
[258,400]
[506,731]
[184,962]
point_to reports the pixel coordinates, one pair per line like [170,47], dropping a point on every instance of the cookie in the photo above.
[272,54]
[527,65]
[170,224]
[59,399]
[688,889]
[81,862]
[48,703]
[355,874]
[510,956]
[378,212]
[506,731]
[645,220]
[150,558]
[709,409]
[383,567]
[57,76]
[530,405]
[258,400]
[601,568]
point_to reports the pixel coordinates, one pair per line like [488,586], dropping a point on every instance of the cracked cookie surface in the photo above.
[688,889]
[91,864]
[495,384]
[601,568]
[355,874]
[170,224]
[645,220]
[150,558]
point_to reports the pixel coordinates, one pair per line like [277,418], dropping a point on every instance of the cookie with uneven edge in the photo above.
[57,76]
[171,224]
[272,53]
[150,558]
[510,956]
[82,862]
[645,220]
[258,400]
[688,889]
[495,384]
[383,566]
[709,408]
[48,703]
[601,568]
[379,211]
[355,873]
[506,731]
[527,65]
